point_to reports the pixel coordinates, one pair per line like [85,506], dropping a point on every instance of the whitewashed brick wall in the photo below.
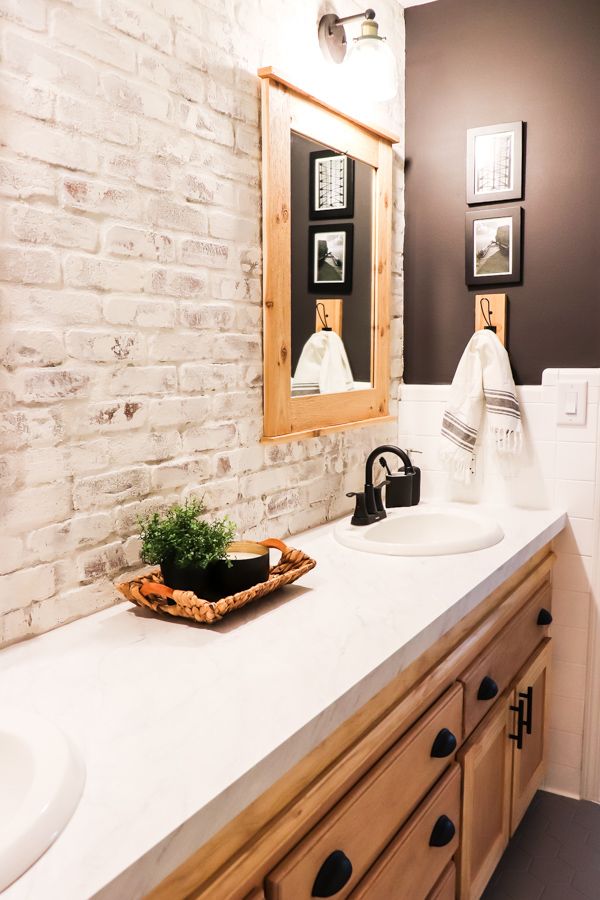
[130,285]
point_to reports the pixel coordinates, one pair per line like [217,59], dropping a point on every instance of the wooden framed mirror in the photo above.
[327,233]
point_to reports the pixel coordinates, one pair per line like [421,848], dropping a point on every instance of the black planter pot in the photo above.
[219,579]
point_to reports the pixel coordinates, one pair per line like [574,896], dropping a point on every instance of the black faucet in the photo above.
[369,503]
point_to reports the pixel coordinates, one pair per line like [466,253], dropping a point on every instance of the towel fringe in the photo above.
[507,440]
[461,467]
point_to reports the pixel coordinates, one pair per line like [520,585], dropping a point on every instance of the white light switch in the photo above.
[571,402]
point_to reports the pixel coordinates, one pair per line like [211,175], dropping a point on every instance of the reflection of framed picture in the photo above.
[330,258]
[331,185]
[493,245]
[495,163]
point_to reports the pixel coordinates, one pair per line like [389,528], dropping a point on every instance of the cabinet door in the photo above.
[528,761]
[487,767]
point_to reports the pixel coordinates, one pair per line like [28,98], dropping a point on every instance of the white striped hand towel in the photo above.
[483,377]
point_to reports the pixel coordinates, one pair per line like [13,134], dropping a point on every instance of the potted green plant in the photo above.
[190,550]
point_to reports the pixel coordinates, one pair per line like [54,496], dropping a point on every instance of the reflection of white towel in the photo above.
[324,362]
[483,377]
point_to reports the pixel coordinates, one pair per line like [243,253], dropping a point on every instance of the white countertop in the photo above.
[182,726]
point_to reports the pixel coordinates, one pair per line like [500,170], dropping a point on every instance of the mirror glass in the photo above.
[332,271]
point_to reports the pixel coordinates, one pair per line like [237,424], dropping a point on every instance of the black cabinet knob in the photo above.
[444,744]
[443,832]
[335,872]
[487,689]
[544,617]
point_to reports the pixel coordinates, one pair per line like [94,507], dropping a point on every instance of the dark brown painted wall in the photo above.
[481,62]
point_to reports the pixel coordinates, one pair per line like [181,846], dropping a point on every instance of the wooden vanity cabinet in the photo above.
[502,764]
[357,818]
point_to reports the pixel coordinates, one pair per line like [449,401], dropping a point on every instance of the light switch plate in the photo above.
[571,403]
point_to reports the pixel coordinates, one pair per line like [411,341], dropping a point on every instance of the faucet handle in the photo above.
[361,516]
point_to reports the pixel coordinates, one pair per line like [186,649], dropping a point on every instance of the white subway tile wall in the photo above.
[130,285]
[559,467]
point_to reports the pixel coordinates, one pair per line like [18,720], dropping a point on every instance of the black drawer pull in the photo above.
[544,617]
[518,737]
[443,832]
[487,689]
[444,744]
[335,872]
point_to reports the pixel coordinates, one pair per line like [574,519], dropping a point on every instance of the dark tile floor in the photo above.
[554,854]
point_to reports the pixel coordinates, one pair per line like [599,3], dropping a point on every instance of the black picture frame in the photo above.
[343,284]
[495,163]
[501,240]
[316,211]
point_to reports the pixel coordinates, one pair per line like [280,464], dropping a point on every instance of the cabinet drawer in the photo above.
[418,855]
[355,832]
[445,889]
[491,673]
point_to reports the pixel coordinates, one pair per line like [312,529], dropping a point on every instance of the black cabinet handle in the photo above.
[443,832]
[544,617]
[335,872]
[518,737]
[487,689]
[444,744]
[528,717]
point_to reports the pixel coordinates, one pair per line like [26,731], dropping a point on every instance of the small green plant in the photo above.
[181,536]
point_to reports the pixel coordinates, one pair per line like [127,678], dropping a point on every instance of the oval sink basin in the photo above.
[422,531]
[41,782]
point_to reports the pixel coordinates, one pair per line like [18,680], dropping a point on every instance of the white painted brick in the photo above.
[87,457]
[172,347]
[31,13]
[196,377]
[176,283]
[123,241]
[41,226]
[168,73]
[127,515]
[27,266]
[29,428]
[49,385]
[111,488]
[216,495]
[32,348]
[105,346]
[48,143]
[99,119]
[201,187]
[59,307]
[24,179]
[77,193]
[34,507]
[65,537]
[244,288]
[135,97]
[102,274]
[101,562]
[137,447]
[115,416]
[207,317]
[195,117]
[119,310]
[17,94]
[144,380]
[80,33]
[20,589]
[38,465]
[11,554]
[232,227]
[209,437]
[179,411]
[58,69]
[138,22]
[181,472]
[204,253]
[179,216]
[165,141]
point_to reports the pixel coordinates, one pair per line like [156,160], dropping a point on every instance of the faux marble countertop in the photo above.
[182,726]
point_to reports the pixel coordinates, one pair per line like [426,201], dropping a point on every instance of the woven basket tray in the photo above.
[151,592]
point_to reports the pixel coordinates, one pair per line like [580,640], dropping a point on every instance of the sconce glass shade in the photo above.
[371,66]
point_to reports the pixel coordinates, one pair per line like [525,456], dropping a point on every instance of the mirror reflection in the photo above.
[332,290]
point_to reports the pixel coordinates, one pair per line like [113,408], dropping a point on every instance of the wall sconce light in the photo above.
[370,63]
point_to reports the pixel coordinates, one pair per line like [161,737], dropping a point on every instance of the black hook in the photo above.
[487,317]
[323,316]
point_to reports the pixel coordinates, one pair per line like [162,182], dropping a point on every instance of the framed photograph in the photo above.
[493,245]
[331,185]
[495,163]
[330,258]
